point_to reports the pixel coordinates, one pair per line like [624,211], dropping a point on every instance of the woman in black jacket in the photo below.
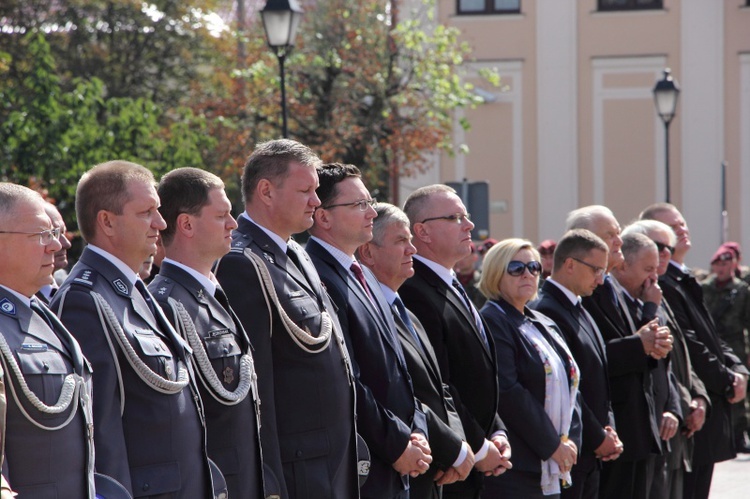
[538,377]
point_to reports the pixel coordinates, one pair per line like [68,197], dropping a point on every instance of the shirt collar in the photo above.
[390,295]
[574,299]
[204,281]
[274,237]
[444,273]
[341,257]
[23,299]
[121,266]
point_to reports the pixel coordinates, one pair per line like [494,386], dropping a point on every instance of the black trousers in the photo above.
[585,485]
[627,480]
[697,483]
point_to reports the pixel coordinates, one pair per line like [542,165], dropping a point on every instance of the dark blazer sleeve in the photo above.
[77,311]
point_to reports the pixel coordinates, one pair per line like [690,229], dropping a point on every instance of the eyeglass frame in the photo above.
[457,218]
[362,204]
[598,271]
[53,234]
[536,271]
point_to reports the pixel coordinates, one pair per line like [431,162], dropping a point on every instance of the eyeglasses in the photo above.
[45,237]
[517,268]
[598,271]
[458,218]
[362,204]
[661,247]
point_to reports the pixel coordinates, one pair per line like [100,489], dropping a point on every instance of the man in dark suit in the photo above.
[148,427]
[304,372]
[693,396]
[631,354]
[48,451]
[389,256]
[580,261]
[199,231]
[389,420]
[464,349]
[723,374]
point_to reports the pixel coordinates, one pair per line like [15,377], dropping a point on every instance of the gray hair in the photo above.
[418,200]
[11,194]
[648,227]
[388,215]
[634,243]
[584,218]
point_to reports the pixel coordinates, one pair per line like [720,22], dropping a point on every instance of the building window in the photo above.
[630,4]
[489,6]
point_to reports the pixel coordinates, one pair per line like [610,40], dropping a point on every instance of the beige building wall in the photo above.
[574,122]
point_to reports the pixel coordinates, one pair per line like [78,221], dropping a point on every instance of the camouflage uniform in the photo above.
[730,309]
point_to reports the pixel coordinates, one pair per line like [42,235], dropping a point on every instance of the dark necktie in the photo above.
[360,275]
[221,297]
[401,310]
[293,258]
[141,287]
[59,331]
[471,309]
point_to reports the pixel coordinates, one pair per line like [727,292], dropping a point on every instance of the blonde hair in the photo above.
[496,261]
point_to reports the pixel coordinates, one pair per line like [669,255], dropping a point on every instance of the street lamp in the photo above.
[666,92]
[280,20]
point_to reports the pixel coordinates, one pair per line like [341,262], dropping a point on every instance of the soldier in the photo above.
[48,447]
[199,231]
[727,298]
[148,428]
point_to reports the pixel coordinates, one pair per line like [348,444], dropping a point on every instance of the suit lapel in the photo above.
[452,297]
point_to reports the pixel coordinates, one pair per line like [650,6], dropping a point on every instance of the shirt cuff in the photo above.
[478,456]
[461,455]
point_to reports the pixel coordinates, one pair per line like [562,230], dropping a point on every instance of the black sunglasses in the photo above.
[661,247]
[516,268]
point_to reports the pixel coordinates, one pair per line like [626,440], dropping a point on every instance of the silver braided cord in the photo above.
[151,378]
[299,335]
[72,389]
[247,376]
[303,338]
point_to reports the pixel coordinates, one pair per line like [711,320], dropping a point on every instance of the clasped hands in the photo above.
[611,448]
[657,340]
[416,458]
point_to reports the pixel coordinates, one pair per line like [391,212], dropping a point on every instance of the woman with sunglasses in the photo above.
[538,377]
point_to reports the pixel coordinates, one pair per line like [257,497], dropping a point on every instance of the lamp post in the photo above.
[666,92]
[280,20]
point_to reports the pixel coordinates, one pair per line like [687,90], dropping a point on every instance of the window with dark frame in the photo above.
[465,7]
[609,5]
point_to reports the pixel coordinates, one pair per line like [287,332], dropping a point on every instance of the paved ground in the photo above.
[732,479]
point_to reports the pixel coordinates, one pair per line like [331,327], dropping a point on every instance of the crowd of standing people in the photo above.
[391,357]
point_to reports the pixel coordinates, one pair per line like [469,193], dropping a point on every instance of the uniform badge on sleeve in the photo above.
[7,307]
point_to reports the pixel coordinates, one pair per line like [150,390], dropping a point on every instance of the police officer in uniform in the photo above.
[149,432]
[48,447]
[199,231]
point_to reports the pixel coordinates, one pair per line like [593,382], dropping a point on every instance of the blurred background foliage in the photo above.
[169,83]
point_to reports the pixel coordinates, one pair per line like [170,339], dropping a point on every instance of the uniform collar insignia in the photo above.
[7,307]
[162,290]
[268,256]
[200,294]
[120,286]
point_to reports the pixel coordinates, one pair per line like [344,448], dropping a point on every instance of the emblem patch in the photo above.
[228,373]
[268,256]
[162,290]
[121,287]
[7,307]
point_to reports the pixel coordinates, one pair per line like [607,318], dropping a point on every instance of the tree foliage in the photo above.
[50,136]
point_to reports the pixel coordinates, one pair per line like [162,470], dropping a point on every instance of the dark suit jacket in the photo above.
[307,410]
[155,444]
[587,347]
[443,424]
[522,380]
[232,428]
[386,409]
[466,363]
[40,463]
[689,386]
[630,379]
[712,360]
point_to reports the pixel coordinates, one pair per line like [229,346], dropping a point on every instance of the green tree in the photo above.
[364,86]
[51,136]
